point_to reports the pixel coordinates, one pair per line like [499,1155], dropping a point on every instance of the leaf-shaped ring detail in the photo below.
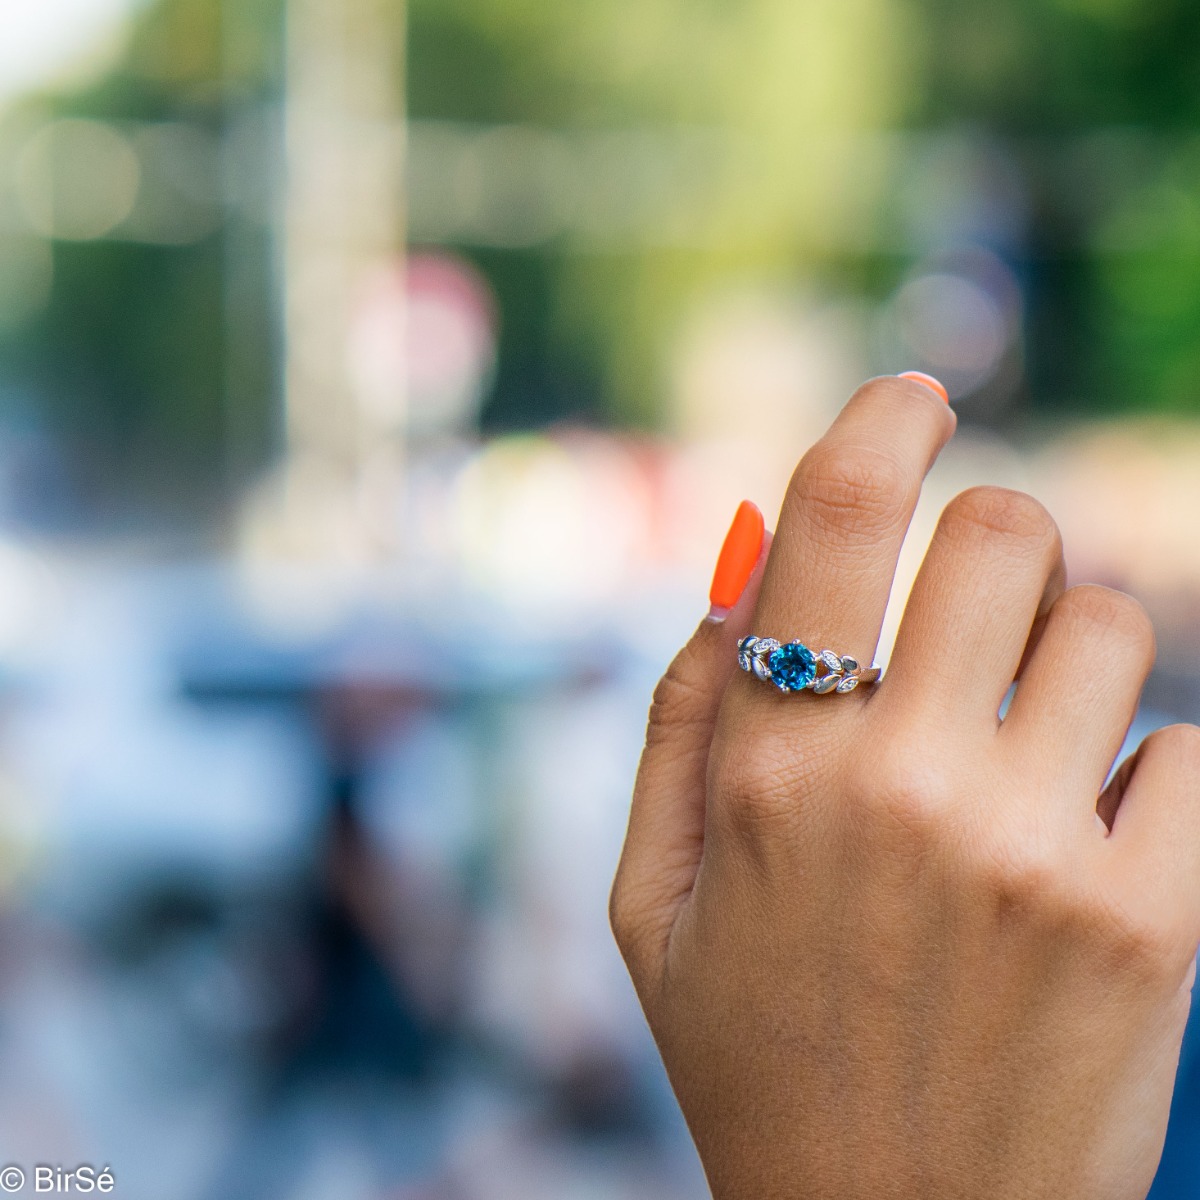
[824,674]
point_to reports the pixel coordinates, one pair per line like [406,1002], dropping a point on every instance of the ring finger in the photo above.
[845,517]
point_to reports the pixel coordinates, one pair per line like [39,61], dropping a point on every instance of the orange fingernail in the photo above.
[928,380]
[739,554]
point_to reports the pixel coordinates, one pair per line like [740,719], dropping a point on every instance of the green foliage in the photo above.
[1040,68]
[134,353]
[767,76]
[1113,315]
[130,362]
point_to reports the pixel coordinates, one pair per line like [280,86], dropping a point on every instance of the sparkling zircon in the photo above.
[792,666]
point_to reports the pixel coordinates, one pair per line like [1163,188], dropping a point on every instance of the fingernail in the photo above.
[739,554]
[928,380]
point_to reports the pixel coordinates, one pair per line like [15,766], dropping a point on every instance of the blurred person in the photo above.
[890,942]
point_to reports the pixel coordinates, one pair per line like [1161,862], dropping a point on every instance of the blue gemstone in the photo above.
[793,667]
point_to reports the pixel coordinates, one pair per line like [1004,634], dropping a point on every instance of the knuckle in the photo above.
[1140,946]
[997,512]
[1033,883]
[756,793]
[746,780]
[1111,611]
[625,915]
[1178,744]
[680,699]
[863,489]
[908,796]
[1026,878]
[630,918]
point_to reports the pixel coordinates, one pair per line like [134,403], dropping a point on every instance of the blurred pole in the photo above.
[344,223]
[250,151]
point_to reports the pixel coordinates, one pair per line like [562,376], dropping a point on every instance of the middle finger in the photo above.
[993,569]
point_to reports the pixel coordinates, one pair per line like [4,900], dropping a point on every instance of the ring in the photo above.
[793,667]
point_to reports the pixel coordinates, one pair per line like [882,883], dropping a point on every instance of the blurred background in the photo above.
[377,382]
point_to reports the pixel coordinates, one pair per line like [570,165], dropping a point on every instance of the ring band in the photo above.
[793,667]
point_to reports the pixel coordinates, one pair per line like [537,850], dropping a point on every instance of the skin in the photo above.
[889,945]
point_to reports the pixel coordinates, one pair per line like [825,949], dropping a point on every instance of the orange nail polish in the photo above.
[928,381]
[739,554]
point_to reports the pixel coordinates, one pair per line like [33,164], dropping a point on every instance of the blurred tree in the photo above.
[131,364]
[1103,96]
[1112,310]
[157,364]
[779,83]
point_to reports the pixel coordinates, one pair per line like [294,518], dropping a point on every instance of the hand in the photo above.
[885,943]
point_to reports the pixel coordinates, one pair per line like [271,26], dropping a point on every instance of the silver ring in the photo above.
[793,667]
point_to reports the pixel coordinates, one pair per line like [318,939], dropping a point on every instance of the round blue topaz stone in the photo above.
[792,667]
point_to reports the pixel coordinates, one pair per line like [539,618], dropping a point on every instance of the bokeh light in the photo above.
[77,180]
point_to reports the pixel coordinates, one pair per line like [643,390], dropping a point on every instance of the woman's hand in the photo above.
[885,944]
